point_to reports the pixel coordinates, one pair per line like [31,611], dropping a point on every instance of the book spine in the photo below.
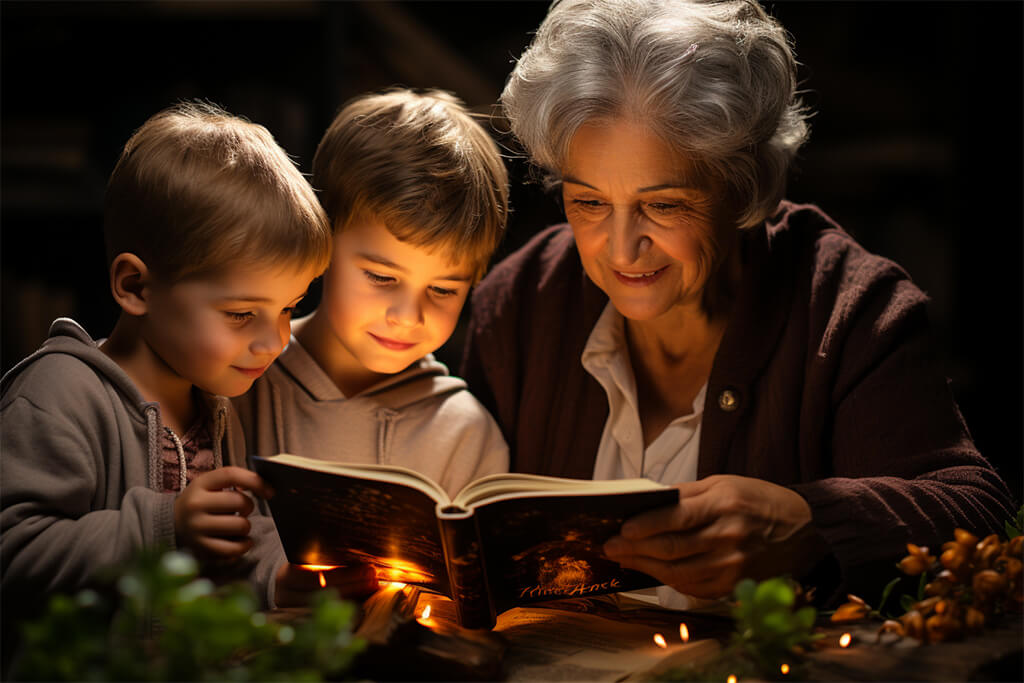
[466,575]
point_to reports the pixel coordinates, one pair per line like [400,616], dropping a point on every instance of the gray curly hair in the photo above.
[716,80]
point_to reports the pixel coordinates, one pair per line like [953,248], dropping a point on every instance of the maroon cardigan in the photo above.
[827,352]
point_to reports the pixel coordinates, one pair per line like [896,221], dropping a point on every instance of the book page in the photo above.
[500,486]
[552,645]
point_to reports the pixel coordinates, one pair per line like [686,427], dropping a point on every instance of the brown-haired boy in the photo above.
[213,237]
[416,192]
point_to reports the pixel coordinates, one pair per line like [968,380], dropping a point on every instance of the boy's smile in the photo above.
[388,303]
[222,333]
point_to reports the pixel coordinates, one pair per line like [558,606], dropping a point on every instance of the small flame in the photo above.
[684,633]
[784,669]
[397,585]
[319,567]
[659,640]
[424,618]
[323,581]
[844,640]
[731,679]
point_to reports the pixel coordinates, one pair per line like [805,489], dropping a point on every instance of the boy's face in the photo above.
[222,332]
[389,303]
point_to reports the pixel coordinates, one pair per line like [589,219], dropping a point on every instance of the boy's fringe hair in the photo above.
[197,189]
[420,163]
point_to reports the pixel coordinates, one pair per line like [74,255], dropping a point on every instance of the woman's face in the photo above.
[649,231]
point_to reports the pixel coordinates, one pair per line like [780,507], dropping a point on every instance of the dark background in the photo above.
[916,146]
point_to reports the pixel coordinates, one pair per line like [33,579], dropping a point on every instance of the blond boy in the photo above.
[213,237]
[416,192]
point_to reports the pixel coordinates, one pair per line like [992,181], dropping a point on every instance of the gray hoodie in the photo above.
[420,418]
[81,473]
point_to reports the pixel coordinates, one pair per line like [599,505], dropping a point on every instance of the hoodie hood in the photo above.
[69,338]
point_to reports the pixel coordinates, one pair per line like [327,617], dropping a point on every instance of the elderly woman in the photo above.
[689,325]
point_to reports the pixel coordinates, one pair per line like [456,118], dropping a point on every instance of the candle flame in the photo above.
[319,567]
[659,640]
[684,633]
[426,612]
[844,640]
[784,669]
[731,679]
[323,581]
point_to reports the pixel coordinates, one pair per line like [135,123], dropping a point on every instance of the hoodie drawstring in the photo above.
[182,464]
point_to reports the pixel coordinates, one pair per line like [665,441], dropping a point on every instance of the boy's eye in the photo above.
[289,311]
[378,279]
[240,316]
[443,291]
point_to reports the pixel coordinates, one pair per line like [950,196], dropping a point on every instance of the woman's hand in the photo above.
[210,514]
[295,585]
[725,528]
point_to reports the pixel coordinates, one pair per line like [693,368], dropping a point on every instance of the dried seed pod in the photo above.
[850,611]
[891,626]
[926,606]
[913,624]
[942,627]
[974,619]
[964,537]
[913,565]
[1015,547]
[941,586]
[987,551]
[987,584]
[1010,567]
[956,560]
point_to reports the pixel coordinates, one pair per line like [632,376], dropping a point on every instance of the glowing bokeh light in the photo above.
[659,640]
[684,633]
[844,640]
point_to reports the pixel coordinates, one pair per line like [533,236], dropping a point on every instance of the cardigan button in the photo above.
[728,400]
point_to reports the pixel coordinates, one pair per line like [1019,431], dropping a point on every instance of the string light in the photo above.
[684,633]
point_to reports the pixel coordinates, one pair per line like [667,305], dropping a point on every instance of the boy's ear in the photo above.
[129,283]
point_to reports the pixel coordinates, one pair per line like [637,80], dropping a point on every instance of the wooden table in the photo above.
[600,639]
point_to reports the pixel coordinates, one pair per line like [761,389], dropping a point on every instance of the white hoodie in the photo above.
[421,418]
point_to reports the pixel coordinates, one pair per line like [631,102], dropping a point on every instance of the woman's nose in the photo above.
[627,241]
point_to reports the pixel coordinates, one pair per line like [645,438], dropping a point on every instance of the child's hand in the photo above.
[295,585]
[210,514]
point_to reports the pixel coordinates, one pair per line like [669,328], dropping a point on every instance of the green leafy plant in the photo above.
[771,631]
[156,621]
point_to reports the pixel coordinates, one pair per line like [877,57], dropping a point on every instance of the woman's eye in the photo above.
[443,292]
[587,203]
[378,279]
[240,316]
[664,207]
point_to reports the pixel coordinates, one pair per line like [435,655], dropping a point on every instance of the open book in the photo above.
[505,540]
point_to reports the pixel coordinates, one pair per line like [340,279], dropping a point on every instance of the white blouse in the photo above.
[670,459]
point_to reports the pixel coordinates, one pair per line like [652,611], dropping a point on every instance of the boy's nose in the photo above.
[405,312]
[272,338]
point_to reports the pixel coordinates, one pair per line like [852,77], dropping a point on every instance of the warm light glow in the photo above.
[659,640]
[844,640]
[784,669]
[395,570]
[684,633]
[319,567]
[426,612]
[424,618]
[397,585]
[323,581]
[731,679]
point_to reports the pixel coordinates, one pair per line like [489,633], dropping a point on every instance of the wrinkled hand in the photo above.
[295,585]
[724,528]
[210,515]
